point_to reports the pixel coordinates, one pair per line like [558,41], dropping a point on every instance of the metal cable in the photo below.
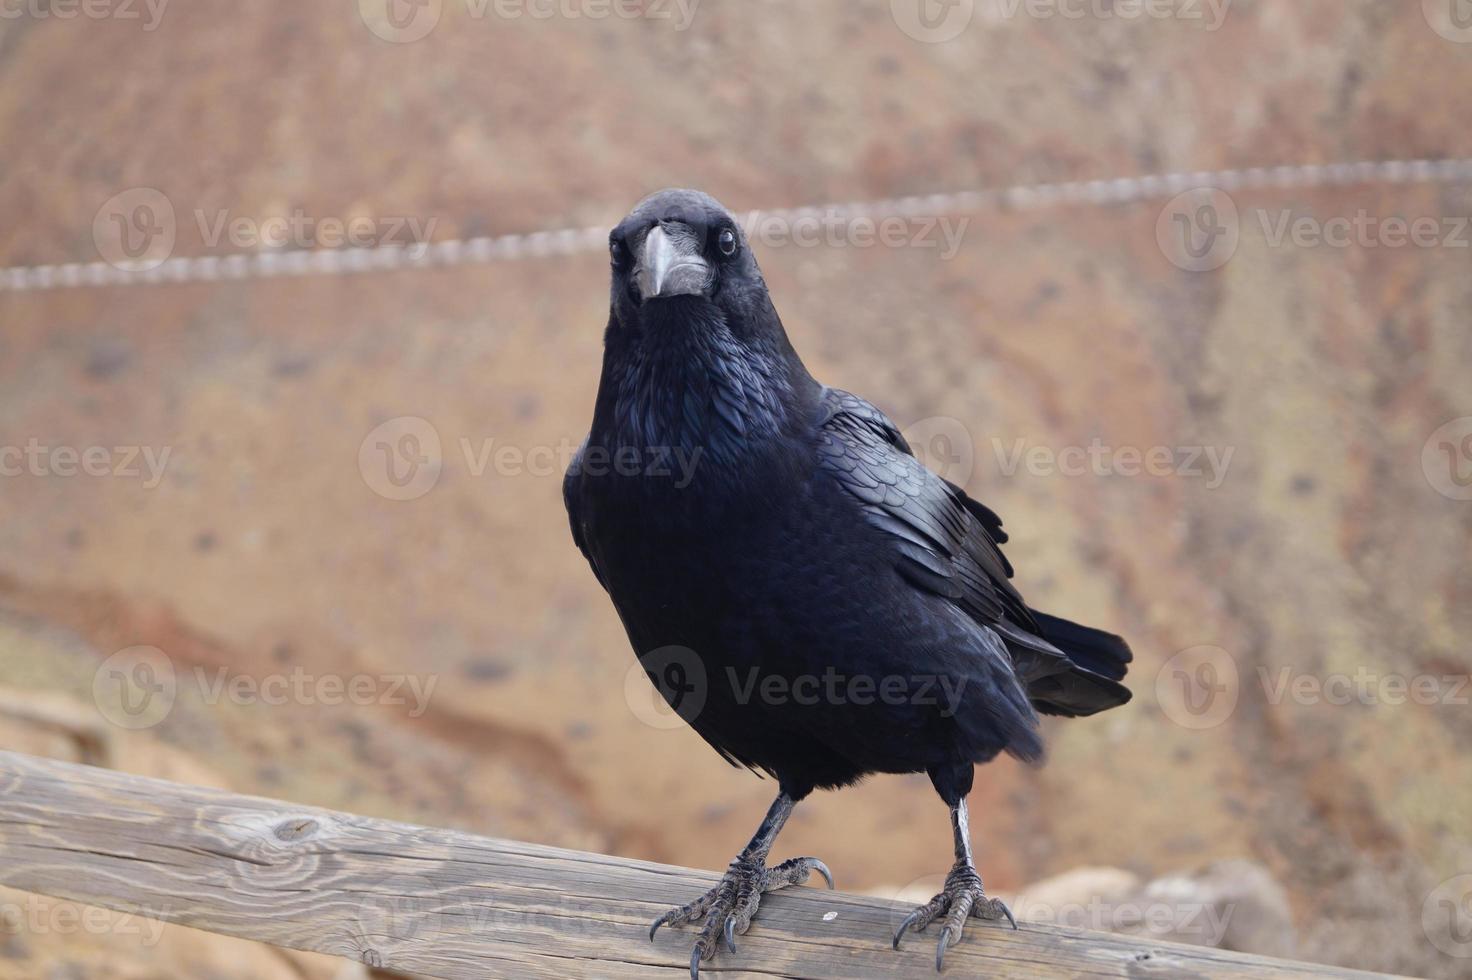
[569,241]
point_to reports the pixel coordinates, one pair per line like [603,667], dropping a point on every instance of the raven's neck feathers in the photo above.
[684,382]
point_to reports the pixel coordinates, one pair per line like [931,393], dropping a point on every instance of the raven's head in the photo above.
[695,356]
[682,258]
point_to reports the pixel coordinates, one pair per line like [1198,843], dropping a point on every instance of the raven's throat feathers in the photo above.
[686,383]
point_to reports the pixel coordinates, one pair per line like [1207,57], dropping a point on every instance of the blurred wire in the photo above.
[569,241]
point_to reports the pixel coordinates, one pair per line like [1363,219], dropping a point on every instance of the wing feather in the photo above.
[948,544]
[572,498]
[944,541]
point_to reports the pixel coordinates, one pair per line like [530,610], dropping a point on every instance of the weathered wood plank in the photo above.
[446,904]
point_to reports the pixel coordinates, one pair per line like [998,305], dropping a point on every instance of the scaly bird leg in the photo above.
[728,907]
[961,898]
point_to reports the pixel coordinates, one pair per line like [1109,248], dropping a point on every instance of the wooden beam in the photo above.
[450,905]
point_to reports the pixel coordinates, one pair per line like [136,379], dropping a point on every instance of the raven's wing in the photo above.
[572,499]
[943,541]
[948,544]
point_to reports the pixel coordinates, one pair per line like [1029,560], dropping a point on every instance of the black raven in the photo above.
[813,601]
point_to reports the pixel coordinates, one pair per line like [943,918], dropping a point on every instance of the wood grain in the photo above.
[446,904]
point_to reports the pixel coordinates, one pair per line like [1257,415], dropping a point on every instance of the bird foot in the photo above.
[962,898]
[728,907]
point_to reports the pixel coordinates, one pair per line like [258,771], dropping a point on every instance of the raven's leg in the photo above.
[962,897]
[727,908]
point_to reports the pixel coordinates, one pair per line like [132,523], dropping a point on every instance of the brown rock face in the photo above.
[1243,470]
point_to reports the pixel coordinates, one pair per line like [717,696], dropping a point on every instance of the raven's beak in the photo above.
[670,264]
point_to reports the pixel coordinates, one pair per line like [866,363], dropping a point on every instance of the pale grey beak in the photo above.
[670,264]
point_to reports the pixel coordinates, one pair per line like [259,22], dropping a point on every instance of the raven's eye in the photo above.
[727,242]
[616,251]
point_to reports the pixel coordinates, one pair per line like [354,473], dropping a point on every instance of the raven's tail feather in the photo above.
[1094,650]
[1099,660]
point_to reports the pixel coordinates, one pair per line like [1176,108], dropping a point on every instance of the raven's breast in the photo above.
[779,635]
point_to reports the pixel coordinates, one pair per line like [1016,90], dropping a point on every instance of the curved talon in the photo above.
[728,908]
[962,899]
[657,923]
[940,948]
[1008,913]
[904,926]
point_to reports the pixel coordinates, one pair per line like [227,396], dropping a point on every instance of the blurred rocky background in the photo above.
[1287,602]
